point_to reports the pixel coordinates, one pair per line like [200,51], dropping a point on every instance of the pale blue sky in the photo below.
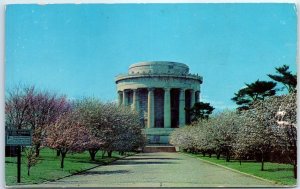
[77,50]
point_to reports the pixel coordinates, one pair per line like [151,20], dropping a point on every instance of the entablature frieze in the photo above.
[159,76]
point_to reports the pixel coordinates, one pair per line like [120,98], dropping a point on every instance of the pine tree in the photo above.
[258,90]
[285,77]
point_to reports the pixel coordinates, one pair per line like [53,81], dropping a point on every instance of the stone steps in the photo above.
[160,148]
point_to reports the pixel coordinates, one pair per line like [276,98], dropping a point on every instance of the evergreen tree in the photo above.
[258,90]
[285,77]
[200,110]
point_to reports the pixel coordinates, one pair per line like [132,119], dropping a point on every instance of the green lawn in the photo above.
[280,173]
[49,167]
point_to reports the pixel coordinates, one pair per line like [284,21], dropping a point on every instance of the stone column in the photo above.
[193,94]
[150,120]
[135,100]
[120,93]
[167,108]
[124,98]
[181,108]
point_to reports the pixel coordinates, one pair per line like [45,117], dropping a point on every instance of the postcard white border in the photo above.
[44,2]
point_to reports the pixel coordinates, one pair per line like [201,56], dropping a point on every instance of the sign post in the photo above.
[18,137]
[19,164]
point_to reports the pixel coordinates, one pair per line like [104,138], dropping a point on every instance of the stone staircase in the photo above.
[159,148]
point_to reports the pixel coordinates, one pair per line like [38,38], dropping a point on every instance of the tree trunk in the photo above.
[63,155]
[109,153]
[240,161]
[227,156]
[93,154]
[209,154]
[295,171]
[103,153]
[37,150]
[218,155]
[57,152]
[203,154]
[28,171]
[262,161]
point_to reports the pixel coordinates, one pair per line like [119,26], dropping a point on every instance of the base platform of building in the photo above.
[158,135]
[159,148]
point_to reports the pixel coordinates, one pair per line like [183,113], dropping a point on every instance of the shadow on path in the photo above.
[152,158]
[142,163]
[105,172]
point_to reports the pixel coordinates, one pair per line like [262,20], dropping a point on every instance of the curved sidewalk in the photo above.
[159,170]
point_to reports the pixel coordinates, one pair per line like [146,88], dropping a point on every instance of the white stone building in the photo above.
[160,91]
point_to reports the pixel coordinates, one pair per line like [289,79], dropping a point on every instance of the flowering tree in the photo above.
[286,118]
[268,127]
[176,137]
[93,145]
[217,134]
[32,160]
[28,108]
[124,132]
[259,132]
[224,130]
[91,116]
[17,104]
[114,128]
[67,134]
[201,135]
[100,119]
[242,147]
[128,130]
[183,138]
[44,110]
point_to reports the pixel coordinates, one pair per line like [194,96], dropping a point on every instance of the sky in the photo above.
[77,50]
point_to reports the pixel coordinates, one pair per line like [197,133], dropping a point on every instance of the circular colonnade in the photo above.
[160,92]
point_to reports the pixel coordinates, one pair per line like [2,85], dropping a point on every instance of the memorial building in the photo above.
[160,92]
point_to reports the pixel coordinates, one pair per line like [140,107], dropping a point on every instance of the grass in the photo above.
[277,172]
[48,169]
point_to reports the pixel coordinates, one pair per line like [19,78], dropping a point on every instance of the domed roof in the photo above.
[158,67]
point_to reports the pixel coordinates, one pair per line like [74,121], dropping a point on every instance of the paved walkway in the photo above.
[159,170]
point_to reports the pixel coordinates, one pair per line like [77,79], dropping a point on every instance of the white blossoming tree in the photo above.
[286,118]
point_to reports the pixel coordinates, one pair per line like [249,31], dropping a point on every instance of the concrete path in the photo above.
[159,170]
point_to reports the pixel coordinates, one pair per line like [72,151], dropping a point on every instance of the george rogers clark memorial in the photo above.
[159,91]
